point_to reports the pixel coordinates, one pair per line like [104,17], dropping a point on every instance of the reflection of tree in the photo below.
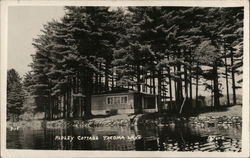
[169,138]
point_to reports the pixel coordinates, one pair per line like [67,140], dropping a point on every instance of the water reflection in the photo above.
[163,138]
[181,138]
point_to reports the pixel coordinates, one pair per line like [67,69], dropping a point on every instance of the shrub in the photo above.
[112,112]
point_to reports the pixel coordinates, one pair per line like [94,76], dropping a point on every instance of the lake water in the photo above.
[145,138]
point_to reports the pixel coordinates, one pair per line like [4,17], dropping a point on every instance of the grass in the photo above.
[225,111]
[228,111]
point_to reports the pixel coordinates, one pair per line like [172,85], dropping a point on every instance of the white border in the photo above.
[72,153]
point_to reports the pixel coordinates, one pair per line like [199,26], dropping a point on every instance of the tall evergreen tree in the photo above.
[15,95]
[157,50]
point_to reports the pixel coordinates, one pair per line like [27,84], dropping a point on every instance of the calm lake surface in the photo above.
[146,138]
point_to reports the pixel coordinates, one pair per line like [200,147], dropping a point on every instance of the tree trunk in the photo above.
[179,87]
[186,86]
[138,78]
[186,91]
[69,98]
[96,83]
[212,98]
[106,76]
[183,102]
[191,83]
[216,88]
[81,106]
[78,82]
[170,84]
[45,111]
[99,80]
[159,91]
[72,114]
[170,89]
[56,108]
[67,102]
[88,91]
[112,80]
[64,106]
[228,99]
[190,86]
[87,106]
[50,108]
[233,79]
[144,83]
[186,79]
[175,89]
[197,86]
[151,85]
[154,92]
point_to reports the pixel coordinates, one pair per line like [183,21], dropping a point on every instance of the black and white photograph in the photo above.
[138,78]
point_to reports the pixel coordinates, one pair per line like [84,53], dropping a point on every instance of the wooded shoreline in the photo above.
[229,118]
[174,53]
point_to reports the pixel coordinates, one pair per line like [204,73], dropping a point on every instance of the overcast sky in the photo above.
[25,23]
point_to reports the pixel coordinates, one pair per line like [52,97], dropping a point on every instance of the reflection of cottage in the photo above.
[123,103]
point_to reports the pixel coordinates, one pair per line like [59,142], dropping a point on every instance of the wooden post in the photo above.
[156,103]
[142,103]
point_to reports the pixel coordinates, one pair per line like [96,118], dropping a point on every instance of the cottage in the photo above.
[123,103]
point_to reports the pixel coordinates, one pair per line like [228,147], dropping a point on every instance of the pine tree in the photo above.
[232,38]
[29,102]
[15,95]
[41,65]
[157,50]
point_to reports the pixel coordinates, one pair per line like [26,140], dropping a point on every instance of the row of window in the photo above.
[117,100]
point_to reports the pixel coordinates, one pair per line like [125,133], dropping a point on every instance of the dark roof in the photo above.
[115,90]
[121,92]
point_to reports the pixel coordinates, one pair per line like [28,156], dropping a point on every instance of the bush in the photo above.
[112,112]
[30,116]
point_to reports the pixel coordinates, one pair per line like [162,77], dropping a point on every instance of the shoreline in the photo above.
[149,119]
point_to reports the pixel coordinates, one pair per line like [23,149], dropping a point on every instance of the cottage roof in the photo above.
[125,92]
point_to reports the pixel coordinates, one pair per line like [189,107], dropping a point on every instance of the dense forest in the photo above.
[171,52]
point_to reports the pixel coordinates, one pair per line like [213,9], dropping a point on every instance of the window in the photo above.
[109,100]
[124,99]
[117,100]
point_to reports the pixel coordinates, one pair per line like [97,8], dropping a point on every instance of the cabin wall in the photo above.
[138,101]
[144,103]
[149,104]
[101,105]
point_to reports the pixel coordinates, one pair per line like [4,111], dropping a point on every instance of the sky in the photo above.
[24,24]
